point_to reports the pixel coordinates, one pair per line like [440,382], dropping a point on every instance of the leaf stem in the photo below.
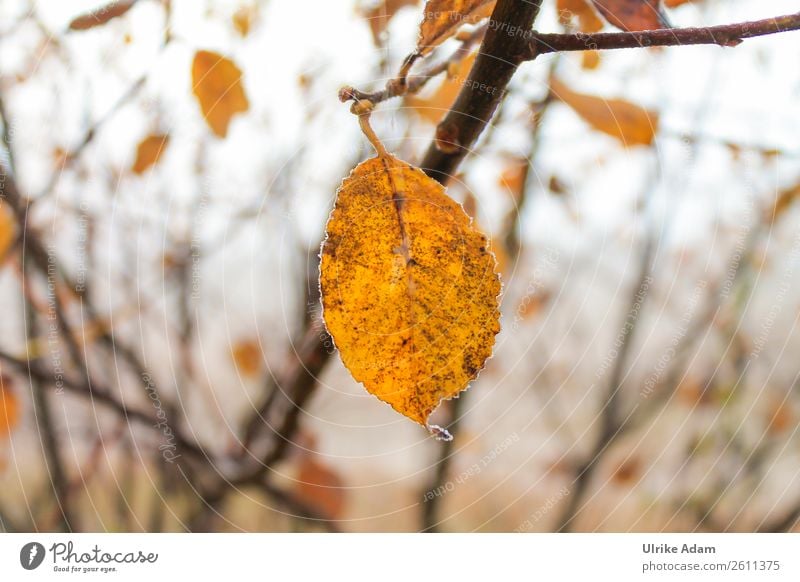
[363,108]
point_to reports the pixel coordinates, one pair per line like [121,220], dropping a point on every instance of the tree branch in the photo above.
[722,35]
[497,61]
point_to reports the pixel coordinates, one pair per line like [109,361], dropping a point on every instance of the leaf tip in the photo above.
[439,433]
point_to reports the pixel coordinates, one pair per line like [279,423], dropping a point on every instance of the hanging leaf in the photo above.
[9,407]
[148,152]
[409,289]
[101,15]
[379,16]
[580,11]
[320,487]
[632,15]
[7,229]
[247,356]
[435,107]
[629,123]
[217,84]
[443,18]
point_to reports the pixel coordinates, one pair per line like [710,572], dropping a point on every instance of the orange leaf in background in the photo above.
[379,16]
[443,18]
[590,60]
[784,200]
[629,123]
[7,229]
[780,417]
[217,84]
[247,356]
[244,18]
[531,306]
[320,488]
[149,152]
[514,177]
[435,107]
[556,186]
[582,11]
[9,408]
[628,471]
[101,15]
[694,392]
[409,289]
[632,15]
[676,3]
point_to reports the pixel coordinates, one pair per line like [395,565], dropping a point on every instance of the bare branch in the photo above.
[500,55]
[722,35]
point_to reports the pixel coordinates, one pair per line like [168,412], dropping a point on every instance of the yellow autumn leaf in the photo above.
[627,122]
[433,108]
[148,152]
[7,229]
[409,289]
[443,18]
[9,408]
[247,356]
[217,84]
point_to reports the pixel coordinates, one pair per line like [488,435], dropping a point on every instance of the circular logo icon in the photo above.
[31,555]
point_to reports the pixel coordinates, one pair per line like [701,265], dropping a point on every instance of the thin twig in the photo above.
[728,35]
[415,83]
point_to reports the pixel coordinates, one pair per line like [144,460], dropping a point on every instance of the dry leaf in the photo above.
[320,488]
[632,15]
[101,15]
[409,289]
[435,107]
[149,152]
[7,229]
[217,84]
[580,10]
[9,407]
[443,18]
[246,355]
[629,123]
[379,16]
